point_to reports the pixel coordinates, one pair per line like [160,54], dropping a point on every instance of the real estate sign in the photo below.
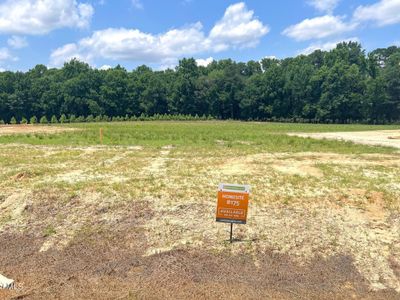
[233,202]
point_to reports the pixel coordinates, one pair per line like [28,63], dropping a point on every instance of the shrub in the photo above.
[80,119]
[54,119]
[43,120]
[24,120]
[90,118]
[63,119]
[1,122]
[33,120]
[13,121]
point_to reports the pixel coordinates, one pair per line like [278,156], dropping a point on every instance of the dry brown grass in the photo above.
[138,222]
[30,129]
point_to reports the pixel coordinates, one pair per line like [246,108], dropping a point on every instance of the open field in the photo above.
[135,218]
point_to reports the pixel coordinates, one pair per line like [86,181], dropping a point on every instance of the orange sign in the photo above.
[233,202]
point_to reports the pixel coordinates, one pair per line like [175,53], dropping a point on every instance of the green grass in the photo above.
[244,136]
[49,231]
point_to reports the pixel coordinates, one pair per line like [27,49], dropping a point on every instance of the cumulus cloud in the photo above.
[36,17]
[317,28]
[204,62]
[66,53]
[17,42]
[326,6]
[237,29]
[384,12]
[326,46]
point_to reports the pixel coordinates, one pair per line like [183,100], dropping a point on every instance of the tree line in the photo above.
[344,85]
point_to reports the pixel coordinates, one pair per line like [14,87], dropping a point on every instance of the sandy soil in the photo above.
[390,138]
[139,223]
[25,129]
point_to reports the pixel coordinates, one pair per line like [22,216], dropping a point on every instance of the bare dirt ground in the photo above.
[26,129]
[390,138]
[138,223]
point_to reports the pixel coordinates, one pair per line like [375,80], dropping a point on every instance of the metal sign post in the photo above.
[231,232]
[232,206]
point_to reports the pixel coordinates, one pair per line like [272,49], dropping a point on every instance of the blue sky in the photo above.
[158,33]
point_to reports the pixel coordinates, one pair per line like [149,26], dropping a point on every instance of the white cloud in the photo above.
[326,46]
[137,4]
[237,29]
[204,62]
[326,6]
[5,54]
[17,42]
[317,28]
[66,53]
[105,67]
[384,12]
[42,16]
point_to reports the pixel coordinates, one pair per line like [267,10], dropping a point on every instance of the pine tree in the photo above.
[54,120]
[33,120]
[63,119]
[43,120]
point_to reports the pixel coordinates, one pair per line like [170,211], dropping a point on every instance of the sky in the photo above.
[105,33]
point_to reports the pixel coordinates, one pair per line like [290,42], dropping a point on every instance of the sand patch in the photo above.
[158,164]
[298,168]
[82,176]
[28,129]
[14,205]
[388,138]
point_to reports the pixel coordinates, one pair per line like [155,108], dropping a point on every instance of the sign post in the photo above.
[232,205]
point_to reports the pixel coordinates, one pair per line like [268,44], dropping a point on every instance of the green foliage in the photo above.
[24,120]
[80,119]
[54,120]
[344,85]
[49,231]
[90,118]
[63,119]
[33,120]
[2,122]
[13,121]
[43,120]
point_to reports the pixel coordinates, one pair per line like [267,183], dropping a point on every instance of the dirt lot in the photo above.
[390,138]
[26,129]
[136,222]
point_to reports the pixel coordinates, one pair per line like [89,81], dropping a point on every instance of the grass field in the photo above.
[135,217]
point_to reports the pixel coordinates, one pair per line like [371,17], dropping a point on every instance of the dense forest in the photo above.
[343,85]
